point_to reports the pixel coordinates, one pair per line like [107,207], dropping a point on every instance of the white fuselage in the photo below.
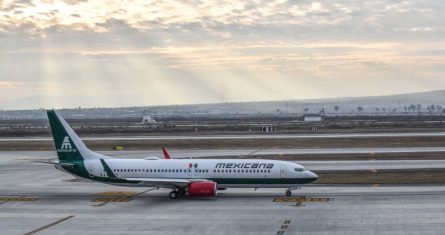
[226,172]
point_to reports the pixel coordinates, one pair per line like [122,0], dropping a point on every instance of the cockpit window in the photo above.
[299,169]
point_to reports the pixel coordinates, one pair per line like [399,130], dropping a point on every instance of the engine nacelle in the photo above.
[202,189]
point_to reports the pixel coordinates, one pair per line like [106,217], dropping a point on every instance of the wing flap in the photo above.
[165,181]
[160,181]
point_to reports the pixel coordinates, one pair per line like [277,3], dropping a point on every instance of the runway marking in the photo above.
[118,193]
[50,225]
[283,227]
[298,204]
[376,185]
[119,196]
[374,170]
[100,204]
[18,199]
[300,199]
[112,199]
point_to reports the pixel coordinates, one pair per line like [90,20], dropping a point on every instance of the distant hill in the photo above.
[392,104]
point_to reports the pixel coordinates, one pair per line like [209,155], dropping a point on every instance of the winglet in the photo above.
[107,169]
[166,154]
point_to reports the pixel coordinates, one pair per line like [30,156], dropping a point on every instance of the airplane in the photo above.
[192,177]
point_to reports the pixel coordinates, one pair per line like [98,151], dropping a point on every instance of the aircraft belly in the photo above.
[259,185]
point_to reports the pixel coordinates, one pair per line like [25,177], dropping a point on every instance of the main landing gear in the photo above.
[173,194]
[178,192]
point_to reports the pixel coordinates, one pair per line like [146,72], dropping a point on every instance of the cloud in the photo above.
[197,21]
[207,51]
[9,85]
[144,15]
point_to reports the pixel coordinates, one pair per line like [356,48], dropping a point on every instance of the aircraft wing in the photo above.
[152,182]
[163,182]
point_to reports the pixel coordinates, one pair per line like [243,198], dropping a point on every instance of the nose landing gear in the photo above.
[289,190]
[288,193]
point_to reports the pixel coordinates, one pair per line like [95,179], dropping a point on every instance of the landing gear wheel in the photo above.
[288,193]
[181,191]
[173,195]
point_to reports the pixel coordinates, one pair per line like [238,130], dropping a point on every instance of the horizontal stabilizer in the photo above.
[56,163]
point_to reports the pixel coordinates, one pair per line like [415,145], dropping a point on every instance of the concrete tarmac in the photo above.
[35,198]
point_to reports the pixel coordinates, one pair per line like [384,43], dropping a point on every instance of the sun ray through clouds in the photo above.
[65,53]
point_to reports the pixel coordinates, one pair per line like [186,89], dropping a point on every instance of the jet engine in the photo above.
[202,189]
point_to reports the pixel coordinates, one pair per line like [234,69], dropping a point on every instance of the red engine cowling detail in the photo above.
[202,189]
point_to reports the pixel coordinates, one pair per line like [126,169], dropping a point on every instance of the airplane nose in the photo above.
[314,175]
[311,175]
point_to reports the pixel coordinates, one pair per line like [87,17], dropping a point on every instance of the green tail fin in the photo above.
[68,145]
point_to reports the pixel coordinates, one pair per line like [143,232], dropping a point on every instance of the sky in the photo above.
[101,53]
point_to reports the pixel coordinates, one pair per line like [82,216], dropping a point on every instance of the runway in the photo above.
[241,137]
[34,197]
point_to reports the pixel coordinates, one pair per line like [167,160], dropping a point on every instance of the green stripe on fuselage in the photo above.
[233,181]
[247,181]
[107,169]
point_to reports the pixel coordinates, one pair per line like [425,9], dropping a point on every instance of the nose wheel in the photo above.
[288,193]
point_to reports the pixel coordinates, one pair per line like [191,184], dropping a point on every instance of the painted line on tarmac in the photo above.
[117,196]
[50,225]
[18,199]
[112,199]
[283,227]
[301,199]
[118,193]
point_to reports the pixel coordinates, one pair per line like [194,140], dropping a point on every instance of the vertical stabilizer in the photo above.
[69,147]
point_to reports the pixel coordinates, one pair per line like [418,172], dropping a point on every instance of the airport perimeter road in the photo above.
[255,136]
[36,198]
